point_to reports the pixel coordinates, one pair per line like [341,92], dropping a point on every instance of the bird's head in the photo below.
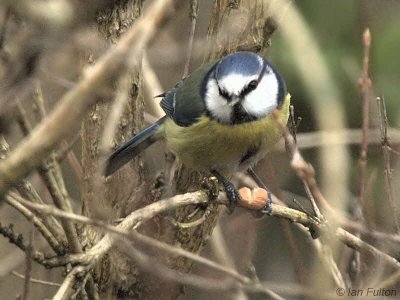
[242,87]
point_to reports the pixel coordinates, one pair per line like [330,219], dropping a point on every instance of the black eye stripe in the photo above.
[252,85]
[223,93]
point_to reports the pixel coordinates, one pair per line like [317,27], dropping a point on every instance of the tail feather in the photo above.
[132,147]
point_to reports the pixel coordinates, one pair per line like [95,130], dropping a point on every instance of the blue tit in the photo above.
[218,119]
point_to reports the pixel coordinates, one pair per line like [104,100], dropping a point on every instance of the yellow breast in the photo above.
[209,145]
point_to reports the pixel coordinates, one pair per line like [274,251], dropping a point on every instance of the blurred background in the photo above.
[318,49]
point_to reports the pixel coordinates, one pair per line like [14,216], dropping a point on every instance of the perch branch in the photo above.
[148,212]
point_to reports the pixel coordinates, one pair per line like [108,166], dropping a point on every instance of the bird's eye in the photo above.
[252,85]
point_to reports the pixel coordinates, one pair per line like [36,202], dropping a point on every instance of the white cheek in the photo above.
[263,100]
[217,105]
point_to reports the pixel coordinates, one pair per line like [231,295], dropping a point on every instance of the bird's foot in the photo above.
[233,196]
[232,193]
[268,206]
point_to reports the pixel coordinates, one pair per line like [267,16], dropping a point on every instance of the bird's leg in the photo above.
[260,183]
[230,190]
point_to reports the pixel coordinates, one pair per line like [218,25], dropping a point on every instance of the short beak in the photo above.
[234,99]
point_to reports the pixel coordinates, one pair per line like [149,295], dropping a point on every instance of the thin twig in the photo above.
[40,109]
[65,290]
[73,161]
[53,242]
[159,269]
[387,173]
[18,240]
[194,10]
[34,280]
[76,102]
[148,212]
[298,265]
[325,252]
[28,267]
[50,171]
[325,138]
[307,173]
[365,86]
[80,289]
[304,170]
[50,228]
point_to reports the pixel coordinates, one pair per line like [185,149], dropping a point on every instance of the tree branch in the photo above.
[75,103]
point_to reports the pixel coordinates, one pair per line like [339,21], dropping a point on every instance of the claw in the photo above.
[231,192]
[268,206]
[233,196]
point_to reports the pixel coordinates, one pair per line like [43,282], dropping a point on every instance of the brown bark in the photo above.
[109,200]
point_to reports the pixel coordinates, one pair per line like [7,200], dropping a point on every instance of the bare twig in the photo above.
[365,86]
[386,161]
[80,287]
[53,242]
[34,280]
[65,290]
[18,240]
[26,189]
[71,157]
[194,10]
[28,267]
[50,228]
[307,140]
[325,252]
[298,265]
[148,212]
[66,149]
[159,269]
[51,173]
[76,102]
[304,170]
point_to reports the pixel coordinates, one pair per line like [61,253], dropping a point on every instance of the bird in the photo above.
[218,119]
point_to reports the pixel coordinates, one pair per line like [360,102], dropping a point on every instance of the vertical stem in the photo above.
[194,9]
[387,173]
[28,266]
[365,86]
